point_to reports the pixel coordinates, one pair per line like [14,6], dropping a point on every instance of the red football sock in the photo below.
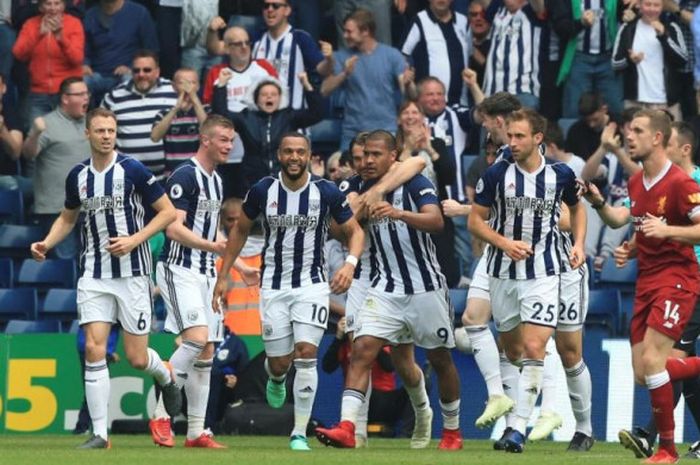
[683,368]
[661,393]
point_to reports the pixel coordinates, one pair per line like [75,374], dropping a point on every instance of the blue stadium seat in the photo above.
[565,124]
[47,274]
[325,136]
[18,304]
[59,304]
[15,240]
[7,272]
[623,278]
[11,207]
[604,309]
[22,327]
[458,298]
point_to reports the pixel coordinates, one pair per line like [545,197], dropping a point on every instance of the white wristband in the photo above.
[351,259]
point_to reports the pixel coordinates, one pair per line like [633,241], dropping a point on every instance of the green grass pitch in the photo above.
[258,450]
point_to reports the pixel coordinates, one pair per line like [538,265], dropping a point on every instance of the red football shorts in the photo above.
[666,309]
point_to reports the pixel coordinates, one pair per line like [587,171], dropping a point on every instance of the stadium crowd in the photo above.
[208,95]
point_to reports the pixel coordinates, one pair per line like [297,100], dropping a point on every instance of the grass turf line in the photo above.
[264,450]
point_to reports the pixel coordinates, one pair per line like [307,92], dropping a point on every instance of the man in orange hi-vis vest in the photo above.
[242,315]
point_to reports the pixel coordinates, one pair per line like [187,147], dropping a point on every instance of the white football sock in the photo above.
[510,374]
[450,414]
[156,368]
[197,392]
[97,395]
[417,394]
[183,360]
[549,378]
[486,356]
[528,390]
[578,379]
[305,386]
[361,424]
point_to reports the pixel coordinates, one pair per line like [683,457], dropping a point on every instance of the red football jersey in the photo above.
[675,197]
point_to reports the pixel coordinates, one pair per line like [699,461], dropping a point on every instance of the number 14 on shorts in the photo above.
[671,315]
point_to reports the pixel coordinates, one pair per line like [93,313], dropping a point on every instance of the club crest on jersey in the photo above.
[661,205]
[176,191]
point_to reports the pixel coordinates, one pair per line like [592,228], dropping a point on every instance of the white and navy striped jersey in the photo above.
[405,257]
[439,49]
[512,64]
[292,53]
[594,40]
[136,113]
[366,269]
[526,207]
[295,225]
[112,204]
[200,194]
[452,126]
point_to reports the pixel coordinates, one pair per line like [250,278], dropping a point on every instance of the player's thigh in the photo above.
[670,310]
[355,298]
[275,316]
[539,301]
[134,304]
[95,301]
[505,303]
[686,343]
[185,295]
[430,319]
[573,300]
[478,312]
[382,316]
[310,305]
[479,289]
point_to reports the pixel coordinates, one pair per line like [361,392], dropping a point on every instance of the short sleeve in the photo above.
[689,198]
[422,191]
[255,199]
[337,203]
[72,195]
[144,182]
[486,186]
[350,185]
[412,39]
[339,61]
[181,188]
[159,117]
[309,50]
[569,194]
[398,61]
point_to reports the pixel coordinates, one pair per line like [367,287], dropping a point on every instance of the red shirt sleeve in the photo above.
[267,66]
[689,197]
[212,76]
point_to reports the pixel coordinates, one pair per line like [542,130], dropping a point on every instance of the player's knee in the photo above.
[138,361]
[440,359]
[94,352]
[475,317]
[570,358]
[534,348]
[305,350]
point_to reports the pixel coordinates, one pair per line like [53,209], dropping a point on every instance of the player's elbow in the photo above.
[436,224]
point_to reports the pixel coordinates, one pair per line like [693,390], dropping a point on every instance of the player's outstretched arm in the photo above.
[615,217]
[516,250]
[356,242]
[236,240]
[59,230]
[165,214]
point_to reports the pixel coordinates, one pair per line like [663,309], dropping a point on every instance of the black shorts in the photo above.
[690,332]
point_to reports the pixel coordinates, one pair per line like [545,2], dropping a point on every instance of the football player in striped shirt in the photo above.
[296,210]
[186,276]
[111,191]
[406,305]
[517,209]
